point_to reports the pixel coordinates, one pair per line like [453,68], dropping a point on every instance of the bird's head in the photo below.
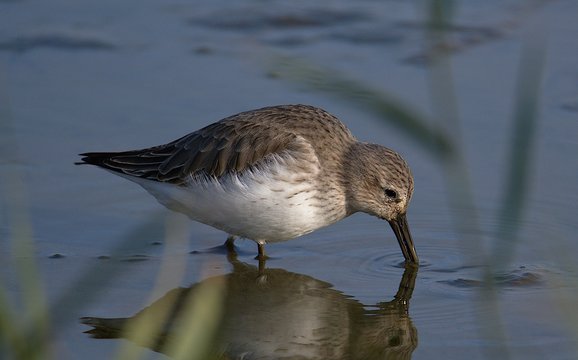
[380,184]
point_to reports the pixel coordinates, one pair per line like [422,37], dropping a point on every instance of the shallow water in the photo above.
[80,76]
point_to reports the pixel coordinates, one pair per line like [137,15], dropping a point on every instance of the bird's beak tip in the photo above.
[401,230]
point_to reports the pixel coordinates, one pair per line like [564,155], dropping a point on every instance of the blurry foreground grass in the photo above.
[26,330]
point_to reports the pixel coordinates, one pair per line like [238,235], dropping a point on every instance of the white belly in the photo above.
[265,206]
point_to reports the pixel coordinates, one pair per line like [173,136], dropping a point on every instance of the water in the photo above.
[80,76]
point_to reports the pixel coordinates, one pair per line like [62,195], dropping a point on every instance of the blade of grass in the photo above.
[519,166]
[459,191]
[200,323]
[146,329]
[32,322]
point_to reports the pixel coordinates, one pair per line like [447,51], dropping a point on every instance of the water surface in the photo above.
[82,76]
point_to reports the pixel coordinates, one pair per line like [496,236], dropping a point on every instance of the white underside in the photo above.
[262,205]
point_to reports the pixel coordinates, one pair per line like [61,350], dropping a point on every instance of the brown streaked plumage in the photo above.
[272,174]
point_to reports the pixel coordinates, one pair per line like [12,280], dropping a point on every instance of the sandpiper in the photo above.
[271,175]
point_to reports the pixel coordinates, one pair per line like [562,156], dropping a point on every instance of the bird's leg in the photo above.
[232,256]
[262,266]
[262,277]
[262,258]
[261,252]
[230,243]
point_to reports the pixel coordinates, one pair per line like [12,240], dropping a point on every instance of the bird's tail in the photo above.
[103,328]
[95,158]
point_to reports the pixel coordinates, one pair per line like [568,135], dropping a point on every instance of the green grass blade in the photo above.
[519,166]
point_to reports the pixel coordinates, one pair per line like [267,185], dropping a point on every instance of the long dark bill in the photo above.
[401,230]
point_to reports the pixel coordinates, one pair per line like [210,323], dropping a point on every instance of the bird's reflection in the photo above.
[274,313]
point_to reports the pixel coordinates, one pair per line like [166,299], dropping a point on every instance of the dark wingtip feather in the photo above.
[104,328]
[94,158]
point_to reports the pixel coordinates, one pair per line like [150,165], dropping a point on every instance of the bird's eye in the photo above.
[390,193]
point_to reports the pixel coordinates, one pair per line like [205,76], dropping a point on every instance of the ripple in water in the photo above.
[59,41]
[518,278]
[258,19]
